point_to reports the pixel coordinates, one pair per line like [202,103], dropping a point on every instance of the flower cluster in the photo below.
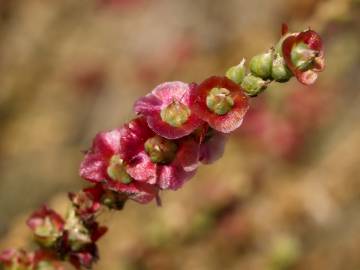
[178,127]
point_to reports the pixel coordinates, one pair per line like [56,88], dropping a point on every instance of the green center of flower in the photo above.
[46,233]
[46,229]
[175,114]
[302,56]
[116,170]
[160,150]
[219,101]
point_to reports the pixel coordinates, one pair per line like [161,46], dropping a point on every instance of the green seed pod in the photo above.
[253,85]
[260,65]
[280,71]
[237,73]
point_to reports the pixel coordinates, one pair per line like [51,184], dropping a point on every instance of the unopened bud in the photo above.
[260,65]
[253,85]
[237,73]
[280,72]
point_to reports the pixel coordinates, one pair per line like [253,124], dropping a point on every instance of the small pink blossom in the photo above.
[304,55]
[220,102]
[167,112]
[104,164]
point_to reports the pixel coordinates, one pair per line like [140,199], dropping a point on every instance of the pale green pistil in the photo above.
[46,229]
[302,56]
[175,114]
[219,101]
[160,150]
[116,170]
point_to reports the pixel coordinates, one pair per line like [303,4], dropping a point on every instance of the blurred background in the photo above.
[286,194]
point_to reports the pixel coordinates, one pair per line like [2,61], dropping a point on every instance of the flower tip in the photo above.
[284,29]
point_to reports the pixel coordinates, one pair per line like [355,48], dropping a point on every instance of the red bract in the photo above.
[47,226]
[156,160]
[104,164]
[167,111]
[304,55]
[220,102]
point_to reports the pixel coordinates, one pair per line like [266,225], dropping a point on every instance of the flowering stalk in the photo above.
[178,127]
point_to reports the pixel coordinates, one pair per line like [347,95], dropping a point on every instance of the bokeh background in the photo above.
[286,194]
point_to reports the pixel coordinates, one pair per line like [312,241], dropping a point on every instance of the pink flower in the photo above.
[220,102]
[104,164]
[304,55]
[157,160]
[47,226]
[167,110]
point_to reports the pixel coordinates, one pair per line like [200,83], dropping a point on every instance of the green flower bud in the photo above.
[302,56]
[175,114]
[260,65]
[237,73]
[219,101]
[253,85]
[160,150]
[280,71]
[116,170]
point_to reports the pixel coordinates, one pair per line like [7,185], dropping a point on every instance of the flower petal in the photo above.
[93,167]
[133,136]
[173,177]
[142,169]
[213,147]
[107,143]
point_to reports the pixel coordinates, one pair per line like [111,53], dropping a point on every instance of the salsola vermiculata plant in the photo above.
[178,127]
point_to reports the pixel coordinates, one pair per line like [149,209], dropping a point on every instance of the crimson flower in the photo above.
[47,226]
[167,112]
[157,160]
[304,55]
[220,102]
[88,201]
[104,164]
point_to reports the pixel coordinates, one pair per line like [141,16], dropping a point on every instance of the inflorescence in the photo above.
[178,127]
